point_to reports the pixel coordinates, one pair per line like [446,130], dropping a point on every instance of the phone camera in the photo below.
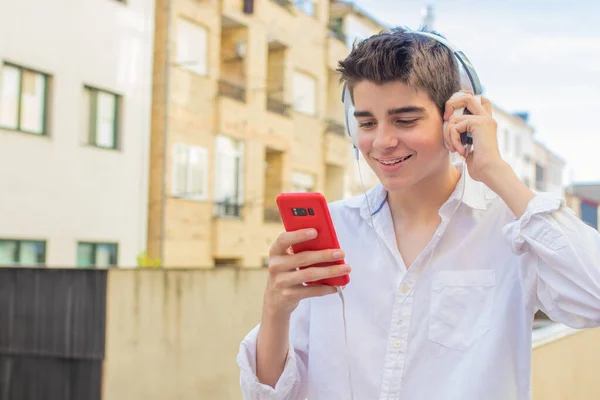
[299,212]
[311,211]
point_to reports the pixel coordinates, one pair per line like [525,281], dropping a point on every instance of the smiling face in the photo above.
[399,133]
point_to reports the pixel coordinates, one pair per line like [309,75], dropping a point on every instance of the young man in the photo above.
[447,276]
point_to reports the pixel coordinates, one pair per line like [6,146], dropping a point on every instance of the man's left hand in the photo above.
[485,156]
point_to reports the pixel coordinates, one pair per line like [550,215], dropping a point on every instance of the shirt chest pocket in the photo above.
[461,307]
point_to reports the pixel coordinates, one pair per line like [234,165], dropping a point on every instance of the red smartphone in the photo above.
[310,210]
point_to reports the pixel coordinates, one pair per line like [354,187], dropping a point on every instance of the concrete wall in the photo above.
[568,368]
[174,334]
[56,187]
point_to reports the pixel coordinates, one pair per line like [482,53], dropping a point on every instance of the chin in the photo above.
[397,183]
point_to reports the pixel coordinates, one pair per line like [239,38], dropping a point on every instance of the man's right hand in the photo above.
[284,286]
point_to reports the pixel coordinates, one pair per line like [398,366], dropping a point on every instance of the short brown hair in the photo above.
[413,59]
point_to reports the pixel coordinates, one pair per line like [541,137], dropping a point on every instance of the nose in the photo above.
[386,137]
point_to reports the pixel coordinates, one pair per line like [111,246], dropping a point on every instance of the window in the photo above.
[540,181]
[304,90]
[229,176]
[518,145]
[192,47]
[589,214]
[307,6]
[103,116]
[190,167]
[96,254]
[302,182]
[23,100]
[22,252]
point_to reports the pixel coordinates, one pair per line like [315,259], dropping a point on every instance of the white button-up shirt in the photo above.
[457,325]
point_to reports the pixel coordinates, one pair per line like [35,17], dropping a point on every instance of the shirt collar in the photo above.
[476,195]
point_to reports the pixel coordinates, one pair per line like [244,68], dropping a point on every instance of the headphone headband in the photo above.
[462,58]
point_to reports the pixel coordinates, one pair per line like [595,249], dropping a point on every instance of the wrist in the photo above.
[497,172]
[273,315]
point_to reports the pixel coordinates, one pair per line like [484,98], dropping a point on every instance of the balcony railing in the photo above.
[336,127]
[287,4]
[336,32]
[278,106]
[271,214]
[227,209]
[232,90]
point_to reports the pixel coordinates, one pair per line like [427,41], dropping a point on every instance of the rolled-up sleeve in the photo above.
[292,382]
[565,253]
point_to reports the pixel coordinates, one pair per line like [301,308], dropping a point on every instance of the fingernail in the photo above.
[311,233]
[337,254]
[345,268]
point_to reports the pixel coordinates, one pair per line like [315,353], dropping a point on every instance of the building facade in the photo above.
[246,105]
[75,90]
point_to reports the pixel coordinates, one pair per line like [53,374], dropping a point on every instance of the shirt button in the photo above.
[396,343]
[404,288]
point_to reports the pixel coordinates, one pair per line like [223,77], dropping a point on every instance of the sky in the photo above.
[538,56]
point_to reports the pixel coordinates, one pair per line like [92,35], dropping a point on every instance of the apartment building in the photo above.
[75,90]
[246,105]
[516,143]
[549,170]
[584,200]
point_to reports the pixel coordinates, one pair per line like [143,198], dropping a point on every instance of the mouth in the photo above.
[393,161]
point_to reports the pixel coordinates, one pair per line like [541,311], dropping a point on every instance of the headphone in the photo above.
[465,137]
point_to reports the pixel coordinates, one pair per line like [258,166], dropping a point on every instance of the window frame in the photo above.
[94,254]
[92,133]
[315,111]
[46,97]
[190,65]
[17,254]
[189,172]
[240,159]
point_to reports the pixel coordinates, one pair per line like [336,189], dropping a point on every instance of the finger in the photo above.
[447,138]
[304,292]
[455,131]
[486,104]
[287,239]
[456,143]
[468,91]
[307,258]
[313,274]
[465,101]
[290,262]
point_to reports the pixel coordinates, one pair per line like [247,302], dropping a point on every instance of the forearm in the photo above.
[271,348]
[504,182]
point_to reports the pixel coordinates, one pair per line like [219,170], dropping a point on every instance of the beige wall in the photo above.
[174,334]
[567,369]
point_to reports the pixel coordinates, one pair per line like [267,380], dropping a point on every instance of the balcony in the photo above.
[271,215]
[231,90]
[336,33]
[336,127]
[278,107]
[226,209]
[287,4]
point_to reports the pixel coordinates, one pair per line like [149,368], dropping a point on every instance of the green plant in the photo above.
[145,261]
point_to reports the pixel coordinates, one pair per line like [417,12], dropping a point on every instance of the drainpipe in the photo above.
[165,131]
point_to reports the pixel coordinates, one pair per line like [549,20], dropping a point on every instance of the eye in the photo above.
[407,122]
[368,124]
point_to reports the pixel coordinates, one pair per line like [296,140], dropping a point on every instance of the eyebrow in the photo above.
[394,111]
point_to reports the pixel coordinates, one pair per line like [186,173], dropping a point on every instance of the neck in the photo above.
[420,203]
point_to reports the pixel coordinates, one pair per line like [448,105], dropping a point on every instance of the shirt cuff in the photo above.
[531,225]
[251,387]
